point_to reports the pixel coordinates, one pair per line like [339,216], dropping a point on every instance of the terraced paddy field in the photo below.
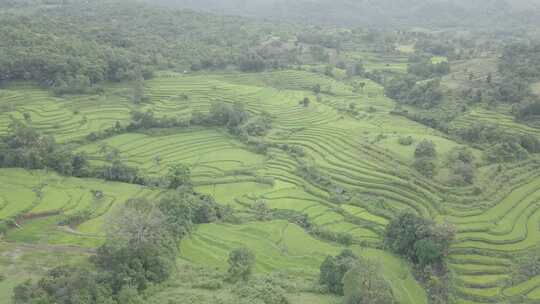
[68,118]
[497,219]
[38,201]
[280,245]
[505,121]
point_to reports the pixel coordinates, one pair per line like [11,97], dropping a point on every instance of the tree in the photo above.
[362,85]
[241,262]
[262,211]
[305,102]
[27,117]
[316,88]
[427,252]
[223,114]
[329,71]
[426,148]
[364,284]
[333,270]
[359,69]
[426,166]
[462,173]
[136,221]
[179,175]
[134,264]
[178,211]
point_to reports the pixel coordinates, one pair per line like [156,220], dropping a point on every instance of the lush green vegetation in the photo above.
[161,156]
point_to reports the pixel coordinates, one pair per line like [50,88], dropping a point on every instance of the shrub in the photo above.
[75,218]
[406,141]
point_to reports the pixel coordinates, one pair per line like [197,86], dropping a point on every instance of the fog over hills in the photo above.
[440,13]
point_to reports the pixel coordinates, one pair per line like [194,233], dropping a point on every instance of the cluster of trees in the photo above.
[38,48]
[358,280]
[141,249]
[528,111]
[517,70]
[521,60]
[425,244]
[436,47]
[418,239]
[423,67]
[500,146]
[247,128]
[408,89]
[462,167]
[24,147]
[116,40]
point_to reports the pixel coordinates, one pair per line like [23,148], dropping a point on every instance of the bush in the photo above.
[75,218]
[406,141]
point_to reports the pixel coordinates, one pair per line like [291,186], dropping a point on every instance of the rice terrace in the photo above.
[269,152]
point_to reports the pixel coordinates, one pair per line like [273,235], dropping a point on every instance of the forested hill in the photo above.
[75,44]
[425,13]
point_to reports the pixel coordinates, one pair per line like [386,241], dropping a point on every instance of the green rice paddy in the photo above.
[359,153]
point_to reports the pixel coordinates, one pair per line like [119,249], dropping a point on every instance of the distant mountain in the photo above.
[438,13]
